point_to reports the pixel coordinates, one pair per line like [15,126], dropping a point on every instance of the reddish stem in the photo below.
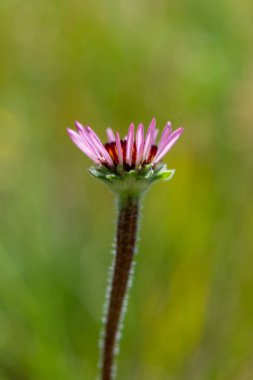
[125,248]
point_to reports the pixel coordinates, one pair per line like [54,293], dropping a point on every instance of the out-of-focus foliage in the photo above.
[109,63]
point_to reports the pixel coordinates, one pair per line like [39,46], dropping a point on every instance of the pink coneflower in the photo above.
[128,166]
[134,151]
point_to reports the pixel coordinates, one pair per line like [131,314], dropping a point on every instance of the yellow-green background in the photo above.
[107,63]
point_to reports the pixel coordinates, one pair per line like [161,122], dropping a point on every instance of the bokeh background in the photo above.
[108,63]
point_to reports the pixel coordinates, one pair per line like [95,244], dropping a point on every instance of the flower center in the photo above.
[112,150]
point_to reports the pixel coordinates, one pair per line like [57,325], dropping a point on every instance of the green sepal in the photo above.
[135,181]
[163,174]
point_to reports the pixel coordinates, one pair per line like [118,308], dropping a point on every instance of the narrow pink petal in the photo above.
[171,136]
[129,145]
[149,139]
[167,144]
[155,136]
[119,149]
[83,133]
[110,135]
[97,143]
[79,127]
[166,132]
[167,129]
[165,137]
[77,140]
[139,143]
[90,142]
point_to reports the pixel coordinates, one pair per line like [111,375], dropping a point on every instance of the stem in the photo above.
[125,248]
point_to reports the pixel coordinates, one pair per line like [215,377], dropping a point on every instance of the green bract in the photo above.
[135,181]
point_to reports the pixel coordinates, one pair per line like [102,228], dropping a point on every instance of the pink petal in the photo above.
[155,136]
[79,127]
[97,143]
[85,136]
[119,149]
[77,140]
[139,143]
[166,132]
[129,145]
[110,135]
[165,137]
[167,145]
[149,139]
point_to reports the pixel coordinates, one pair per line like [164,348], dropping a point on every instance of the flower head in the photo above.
[136,155]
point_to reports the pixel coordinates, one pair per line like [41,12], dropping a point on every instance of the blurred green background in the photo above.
[108,63]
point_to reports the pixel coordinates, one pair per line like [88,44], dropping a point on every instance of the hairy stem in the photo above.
[125,247]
